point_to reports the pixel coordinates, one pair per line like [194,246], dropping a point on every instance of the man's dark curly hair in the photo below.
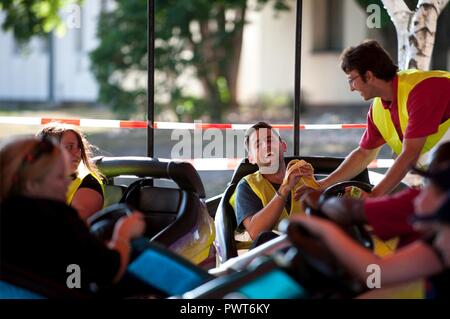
[369,56]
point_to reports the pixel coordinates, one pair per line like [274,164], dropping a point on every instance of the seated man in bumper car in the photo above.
[264,198]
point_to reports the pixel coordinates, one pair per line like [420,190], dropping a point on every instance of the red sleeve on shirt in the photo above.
[389,215]
[428,107]
[371,138]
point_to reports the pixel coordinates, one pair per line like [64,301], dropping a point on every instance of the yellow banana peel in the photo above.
[309,181]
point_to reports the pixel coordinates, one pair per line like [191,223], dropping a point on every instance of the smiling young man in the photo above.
[265,197]
[410,112]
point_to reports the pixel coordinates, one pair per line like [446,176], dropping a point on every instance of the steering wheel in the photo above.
[316,267]
[101,224]
[358,232]
[338,189]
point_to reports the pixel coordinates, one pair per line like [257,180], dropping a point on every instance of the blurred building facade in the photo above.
[267,60]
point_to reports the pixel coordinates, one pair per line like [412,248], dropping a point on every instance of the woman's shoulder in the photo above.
[91,182]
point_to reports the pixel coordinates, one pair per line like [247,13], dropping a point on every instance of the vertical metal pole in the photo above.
[51,69]
[297,93]
[150,76]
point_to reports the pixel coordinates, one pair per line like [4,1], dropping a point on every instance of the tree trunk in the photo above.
[439,61]
[416,31]
[235,58]
[208,72]
[220,61]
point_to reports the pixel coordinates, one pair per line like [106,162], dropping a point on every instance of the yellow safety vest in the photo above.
[265,192]
[75,184]
[407,80]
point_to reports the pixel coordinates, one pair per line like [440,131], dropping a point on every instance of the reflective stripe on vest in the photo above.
[407,80]
[75,184]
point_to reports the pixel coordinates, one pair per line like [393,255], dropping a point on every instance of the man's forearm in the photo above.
[395,174]
[415,261]
[266,218]
[354,164]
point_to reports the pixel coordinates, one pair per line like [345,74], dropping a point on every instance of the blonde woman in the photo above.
[39,233]
[86,193]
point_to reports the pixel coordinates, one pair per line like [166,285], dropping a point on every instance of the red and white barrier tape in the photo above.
[227,164]
[77,122]
[164,125]
[201,164]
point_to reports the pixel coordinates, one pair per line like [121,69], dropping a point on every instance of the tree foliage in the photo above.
[120,60]
[28,18]
[199,37]
[202,38]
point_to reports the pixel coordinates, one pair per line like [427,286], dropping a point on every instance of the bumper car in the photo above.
[173,257]
[303,268]
[176,218]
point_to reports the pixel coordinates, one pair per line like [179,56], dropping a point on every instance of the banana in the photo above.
[355,192]
[309,181]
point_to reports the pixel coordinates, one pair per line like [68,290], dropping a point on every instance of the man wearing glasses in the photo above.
[410,112]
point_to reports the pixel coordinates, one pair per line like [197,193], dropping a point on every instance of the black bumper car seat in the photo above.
[177,218]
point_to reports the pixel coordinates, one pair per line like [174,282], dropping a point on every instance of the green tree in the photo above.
[27,18]
[413,33]
[200,36]
[120,61]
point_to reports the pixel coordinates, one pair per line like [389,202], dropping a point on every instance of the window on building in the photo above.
[327,25]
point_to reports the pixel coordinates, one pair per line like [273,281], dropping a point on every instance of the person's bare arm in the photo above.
[412,262]
[354,164]
[266,218]
[407,158]
[126,229]
[87,202]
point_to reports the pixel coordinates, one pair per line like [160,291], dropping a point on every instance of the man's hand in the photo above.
[311,198]
[292,177]
[302,190]
[356,193]
[132,226]
[345,211]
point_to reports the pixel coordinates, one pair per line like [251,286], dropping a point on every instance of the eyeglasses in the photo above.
[350,81]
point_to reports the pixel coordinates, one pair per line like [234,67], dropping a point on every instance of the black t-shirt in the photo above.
[45,237]
[248,203]
[440,284]
[90,182]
